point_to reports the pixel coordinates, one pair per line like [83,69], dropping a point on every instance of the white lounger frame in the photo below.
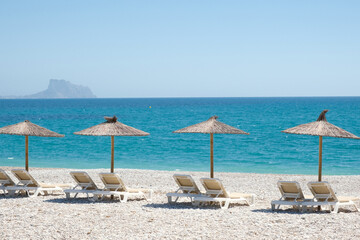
[8,182]
[81,187]
[183,191]
[123,195]
[332,204]
[223,201]
[22,186]
[284,195]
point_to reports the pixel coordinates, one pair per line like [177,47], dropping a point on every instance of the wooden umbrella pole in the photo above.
[211,155]
[27,153]
[112,154]
[320,158]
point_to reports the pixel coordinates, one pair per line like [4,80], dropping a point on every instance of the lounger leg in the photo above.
[151,192]
[273,207]
[252,200]
[356,208]
[336,208]
[88,196]
[36,193]
[125,198]
[94,198]
[226,205]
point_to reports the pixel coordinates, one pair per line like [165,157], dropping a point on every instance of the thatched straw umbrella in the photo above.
[112,128]
[322,128]
[27,129]
[211,126]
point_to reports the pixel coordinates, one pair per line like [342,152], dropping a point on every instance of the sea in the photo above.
[265,150]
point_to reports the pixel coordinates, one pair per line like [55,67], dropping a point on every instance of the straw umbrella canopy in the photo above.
[112,128]
[211,126]
[27,129]
[322,128]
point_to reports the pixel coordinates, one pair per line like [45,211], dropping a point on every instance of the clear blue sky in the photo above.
[182,48]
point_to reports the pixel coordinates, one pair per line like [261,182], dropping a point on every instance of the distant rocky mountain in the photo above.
[62,89]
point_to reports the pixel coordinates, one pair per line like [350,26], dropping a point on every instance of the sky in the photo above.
[198,48]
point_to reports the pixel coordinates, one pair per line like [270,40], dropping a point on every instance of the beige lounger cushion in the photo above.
[111,179]
[4,177]
[186,183]
[325,188]
[136,190]
[347,199]
[322,188]
[84,180]
[114,179]
[290,189]
[80,177]
[23,175]
[215,192]
[214,184]
[240,195]
[45,185]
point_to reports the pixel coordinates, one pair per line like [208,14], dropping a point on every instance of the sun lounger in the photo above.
[84,184]
[291,194]
[5,181]
[215,192]
[30,186]
[325,196]
[187,188]
[114,186]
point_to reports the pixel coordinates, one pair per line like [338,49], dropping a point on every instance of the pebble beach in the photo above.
[55,217]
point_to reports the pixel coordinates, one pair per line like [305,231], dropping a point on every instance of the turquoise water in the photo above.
[265,150]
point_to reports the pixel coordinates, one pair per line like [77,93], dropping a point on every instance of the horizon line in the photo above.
[17,98]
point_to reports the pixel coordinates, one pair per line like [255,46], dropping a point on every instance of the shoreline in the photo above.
[8,168]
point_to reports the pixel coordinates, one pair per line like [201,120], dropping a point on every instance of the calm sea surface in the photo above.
[265,150]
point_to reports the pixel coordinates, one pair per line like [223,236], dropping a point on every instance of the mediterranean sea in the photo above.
[265,150]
